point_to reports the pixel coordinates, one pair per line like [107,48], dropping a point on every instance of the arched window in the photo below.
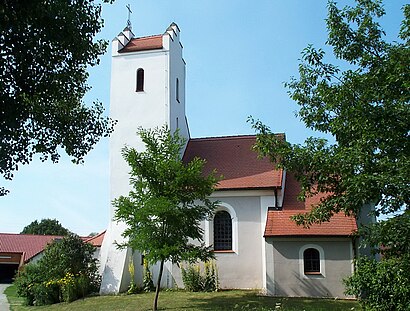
[222,231]
[311,261]
[140,80]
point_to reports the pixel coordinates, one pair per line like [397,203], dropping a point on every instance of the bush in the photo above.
[66,272]
[133,288]
[45,294]
[26,279]
[147,283]
[381,285]
[196,280]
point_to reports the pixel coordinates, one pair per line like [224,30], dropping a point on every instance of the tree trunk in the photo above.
[161,268]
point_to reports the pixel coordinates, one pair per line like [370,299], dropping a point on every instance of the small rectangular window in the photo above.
[140,80]
[177,90]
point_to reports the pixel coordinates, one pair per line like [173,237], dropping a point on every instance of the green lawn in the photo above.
[172,300]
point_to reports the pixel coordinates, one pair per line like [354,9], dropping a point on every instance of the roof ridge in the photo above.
[225,137]
[228,137]
[95,236]
[28,234]
[146,37]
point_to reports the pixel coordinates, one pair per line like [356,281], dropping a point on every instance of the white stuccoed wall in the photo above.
[154,107]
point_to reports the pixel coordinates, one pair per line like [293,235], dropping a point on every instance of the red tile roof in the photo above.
[97,239]
[27,244]
[278,223]
[233,157]
[143,44]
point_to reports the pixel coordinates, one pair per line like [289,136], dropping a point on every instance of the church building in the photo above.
[256,245]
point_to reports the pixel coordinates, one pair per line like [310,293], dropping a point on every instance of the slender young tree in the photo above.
[168,200]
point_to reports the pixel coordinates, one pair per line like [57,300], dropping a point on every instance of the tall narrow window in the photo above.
[177,90]
[311,261]
[140,80]
[222,231]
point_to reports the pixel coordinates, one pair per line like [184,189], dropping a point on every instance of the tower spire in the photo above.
[129,17]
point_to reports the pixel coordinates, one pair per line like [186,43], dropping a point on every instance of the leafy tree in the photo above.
[365,107]
[384,284]
[45,49]
[66,271]
[167,203]
[45,227]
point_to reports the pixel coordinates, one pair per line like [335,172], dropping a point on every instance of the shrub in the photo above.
[25,280]
[196,280]
[133,288]
[147,283]
[67,271]
[46,294]
[381,285]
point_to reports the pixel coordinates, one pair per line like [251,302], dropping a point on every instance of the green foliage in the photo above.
[381,285]
[46,48]
[191,276]
[365,108]
[25,280]
[200,280]
[45,294]
[67,271]
[384,284]
[147,283]
[168,201]
[390,238]
[133,288]
[45,227]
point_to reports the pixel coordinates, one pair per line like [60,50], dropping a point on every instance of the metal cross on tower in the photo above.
[129,16]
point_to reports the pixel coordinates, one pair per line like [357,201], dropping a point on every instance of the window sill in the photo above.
[224,251]
[313,273]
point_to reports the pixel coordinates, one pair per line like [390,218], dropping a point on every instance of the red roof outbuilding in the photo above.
[27,244]
[279,224]
[96,240]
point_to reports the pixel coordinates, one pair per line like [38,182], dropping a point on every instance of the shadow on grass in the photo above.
[236,300]
[251,301]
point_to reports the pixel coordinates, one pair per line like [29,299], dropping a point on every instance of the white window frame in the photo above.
[322,262]
[209,228]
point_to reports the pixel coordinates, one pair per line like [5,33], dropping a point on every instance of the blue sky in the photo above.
[238,54]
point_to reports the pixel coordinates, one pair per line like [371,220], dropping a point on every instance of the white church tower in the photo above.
[147,90]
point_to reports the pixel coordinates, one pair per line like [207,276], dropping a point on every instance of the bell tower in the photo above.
[147,90]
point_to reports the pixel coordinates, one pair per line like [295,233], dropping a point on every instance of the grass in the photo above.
[12,297]
[235,300]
